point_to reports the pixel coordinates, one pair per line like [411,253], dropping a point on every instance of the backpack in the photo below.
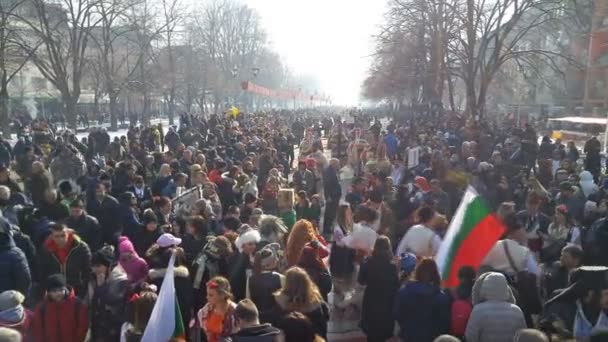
[460,313]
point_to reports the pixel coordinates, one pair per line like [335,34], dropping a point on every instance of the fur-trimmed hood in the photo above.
[180,271]
[283,303]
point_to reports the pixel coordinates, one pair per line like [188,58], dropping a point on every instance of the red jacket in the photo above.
[65,321]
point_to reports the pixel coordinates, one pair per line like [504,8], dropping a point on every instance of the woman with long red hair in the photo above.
[302,233]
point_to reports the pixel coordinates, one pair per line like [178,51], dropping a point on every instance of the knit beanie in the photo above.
[103,257]
[269,256]
[55,282]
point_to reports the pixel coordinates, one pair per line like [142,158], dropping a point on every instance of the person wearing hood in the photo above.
[86,226]
[380,276]
[495,317]
[422,309]
[572,197]
[14,315]
[134,266]
[61,316]
[141,191]
[14,268]
[107,294]
[65,253]
[148,233]
[248,324]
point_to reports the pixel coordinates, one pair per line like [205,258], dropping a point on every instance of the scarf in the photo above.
[582,326]
[13,315]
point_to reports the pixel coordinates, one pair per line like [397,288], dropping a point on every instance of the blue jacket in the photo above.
[391,144]
[422,311]
[14,269]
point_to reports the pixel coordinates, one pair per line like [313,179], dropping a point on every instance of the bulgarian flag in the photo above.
[166,323]
[472,233]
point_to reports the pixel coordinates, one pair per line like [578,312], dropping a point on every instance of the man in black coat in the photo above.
[14,269]
[85,226]
[64,252]
[250,329]
[333,192]
[105,208]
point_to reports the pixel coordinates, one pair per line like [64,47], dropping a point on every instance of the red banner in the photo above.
[280,93]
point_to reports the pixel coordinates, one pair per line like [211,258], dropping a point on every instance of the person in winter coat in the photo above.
[211,262]
[242,263]
[5,179]
[248,324]
[316,268]
[301,294]
[65,253]
[265,281]
[159,256]
[105,208]
[380,276]
[141,191]
[61,316]
[14,268]
[148,233]
[40,182]
[13,315]
[52,208]
[495,317]
[84,225]
[195,238]
[107,295]
[422,309]
[134,266]
[129,221]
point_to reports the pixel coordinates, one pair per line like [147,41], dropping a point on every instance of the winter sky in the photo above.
[329,39]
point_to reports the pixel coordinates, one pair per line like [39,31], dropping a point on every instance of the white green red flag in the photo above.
[166,322]
[472,233]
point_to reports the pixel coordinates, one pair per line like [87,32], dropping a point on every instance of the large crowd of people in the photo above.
[288,226]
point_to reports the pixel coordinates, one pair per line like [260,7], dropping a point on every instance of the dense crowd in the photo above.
[289,226]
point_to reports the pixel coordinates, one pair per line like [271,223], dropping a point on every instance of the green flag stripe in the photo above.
[476,211]
[179,330]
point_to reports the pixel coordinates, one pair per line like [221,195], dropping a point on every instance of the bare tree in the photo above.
[12,56]
[62,29]
[494,34]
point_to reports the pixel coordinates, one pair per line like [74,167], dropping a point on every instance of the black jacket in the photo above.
[258,333]
[77,265]
[87,227]
[14,269]
[318,313]
[146,198]
[331,184]
[106,214]
[261,289]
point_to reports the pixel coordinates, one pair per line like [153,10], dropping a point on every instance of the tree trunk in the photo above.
[69,104]
[4,111]
[113,112]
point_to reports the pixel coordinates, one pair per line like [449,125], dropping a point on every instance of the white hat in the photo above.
[168,240]
[252,235]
